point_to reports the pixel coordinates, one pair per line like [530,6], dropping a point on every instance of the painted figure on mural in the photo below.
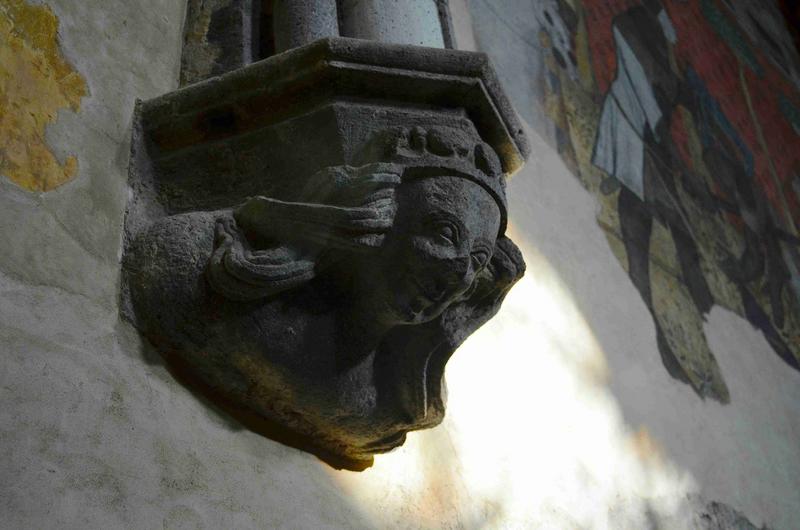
[678,184]
[633,146]
[760,262]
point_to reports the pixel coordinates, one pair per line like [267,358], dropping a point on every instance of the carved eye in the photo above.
[479,259]
[447,232]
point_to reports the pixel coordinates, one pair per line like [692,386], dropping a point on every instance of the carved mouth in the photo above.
[412,301]
[422,299]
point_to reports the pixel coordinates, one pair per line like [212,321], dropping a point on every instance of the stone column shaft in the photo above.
[298,22]
[414,22]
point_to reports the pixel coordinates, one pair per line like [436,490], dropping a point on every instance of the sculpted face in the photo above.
[444,234]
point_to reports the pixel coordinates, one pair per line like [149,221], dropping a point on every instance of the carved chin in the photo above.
[432,418]
[393,440]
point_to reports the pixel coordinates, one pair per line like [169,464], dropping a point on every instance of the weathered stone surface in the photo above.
[304,21]
[388,21]
[309,241]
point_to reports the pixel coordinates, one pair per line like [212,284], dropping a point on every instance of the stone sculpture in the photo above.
[330,306]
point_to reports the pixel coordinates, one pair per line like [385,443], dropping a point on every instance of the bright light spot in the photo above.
[533,438]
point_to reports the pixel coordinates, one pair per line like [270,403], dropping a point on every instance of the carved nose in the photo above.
[455,276]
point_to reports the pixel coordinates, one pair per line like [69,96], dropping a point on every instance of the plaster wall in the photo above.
[560,413]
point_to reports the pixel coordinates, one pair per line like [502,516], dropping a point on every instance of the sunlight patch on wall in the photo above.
[533,437]
[35,82]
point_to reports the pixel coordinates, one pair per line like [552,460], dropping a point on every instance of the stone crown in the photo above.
[442,151]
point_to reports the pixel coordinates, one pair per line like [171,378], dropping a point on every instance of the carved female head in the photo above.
[443,236]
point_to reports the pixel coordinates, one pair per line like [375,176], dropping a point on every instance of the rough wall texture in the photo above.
[561,414]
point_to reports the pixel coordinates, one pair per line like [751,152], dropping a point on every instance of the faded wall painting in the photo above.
[683,118]
[36,83]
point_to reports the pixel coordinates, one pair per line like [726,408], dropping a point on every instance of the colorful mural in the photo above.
[681,116]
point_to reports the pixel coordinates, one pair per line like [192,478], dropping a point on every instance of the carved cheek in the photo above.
[428,252]
[455,275]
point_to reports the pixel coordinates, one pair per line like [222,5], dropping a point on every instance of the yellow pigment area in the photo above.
[35,82]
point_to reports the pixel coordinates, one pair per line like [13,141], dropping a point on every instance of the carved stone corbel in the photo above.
[311,237]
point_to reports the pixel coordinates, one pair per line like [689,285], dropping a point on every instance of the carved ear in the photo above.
[504,269]
[507,263]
